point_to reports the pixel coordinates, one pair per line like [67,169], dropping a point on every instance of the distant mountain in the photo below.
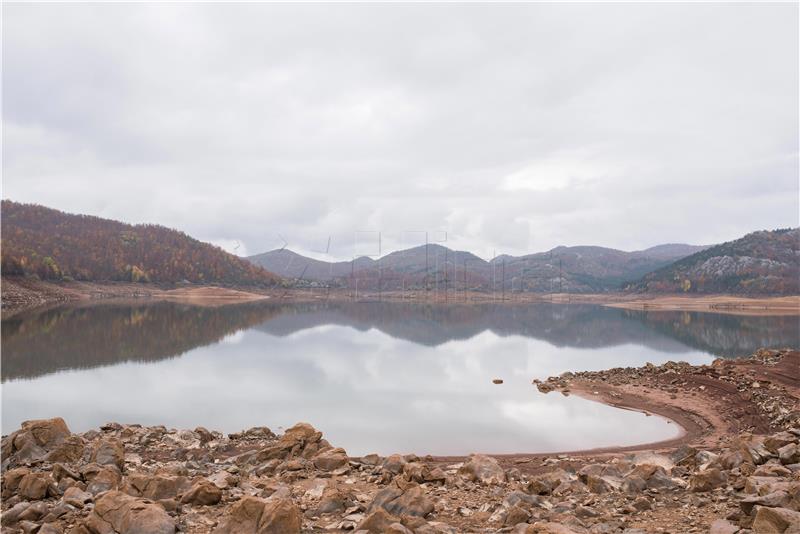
[563,269]
[54,245]
[761,263]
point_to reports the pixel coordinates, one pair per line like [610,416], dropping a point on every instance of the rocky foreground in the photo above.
[129,479]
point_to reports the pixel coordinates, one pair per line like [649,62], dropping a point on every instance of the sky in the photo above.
[495,128]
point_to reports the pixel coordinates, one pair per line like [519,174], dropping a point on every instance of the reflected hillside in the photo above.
[724,335]
[573,325]
[85,336]
[80,337]
[563,325]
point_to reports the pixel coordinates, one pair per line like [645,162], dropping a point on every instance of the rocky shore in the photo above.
[735,472]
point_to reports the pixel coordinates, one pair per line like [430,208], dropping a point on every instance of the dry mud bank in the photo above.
[737,472]
[25,293]
[789,305]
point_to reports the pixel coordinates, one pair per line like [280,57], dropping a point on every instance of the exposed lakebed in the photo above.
[374,376]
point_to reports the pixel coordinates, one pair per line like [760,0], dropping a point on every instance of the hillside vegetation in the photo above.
[52,245]
[761,263]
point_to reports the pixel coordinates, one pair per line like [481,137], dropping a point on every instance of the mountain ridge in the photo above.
[583,268]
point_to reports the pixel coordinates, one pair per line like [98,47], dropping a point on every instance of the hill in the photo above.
[760,263]
[52,245]
[563,269]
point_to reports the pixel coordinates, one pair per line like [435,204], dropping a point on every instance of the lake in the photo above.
[378,377]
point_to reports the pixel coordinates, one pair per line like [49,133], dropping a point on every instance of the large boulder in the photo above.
[116,512]
[100,478]
[708,480]
[378,522]
[776,521]
[35,486]
[252,515]
[156,487]
[34,441]
[484,469]
[301,440]
[203,492]
[331,459]
[109,452]
[398,501]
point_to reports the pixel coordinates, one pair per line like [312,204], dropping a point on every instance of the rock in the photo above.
[34,486]
[411,501]
[332,501]
[331,459]
[394,464]
[156,487]
[516,514]
[789,454]
[776,499]
[203,492]
[35,511]
[11,480]
[300,440]
[545,484]
[223,479]
[252,515]
[776,441]
[420,473]
[723,526]
[77,498]
[377,522]
[69,450]
[33,441]
[100,478]
[776,521]
[497,381]
[11,515]
[46,432]
[50,528]
[484,469]
[109,452]
[128,515]
[60,471]
[708,480]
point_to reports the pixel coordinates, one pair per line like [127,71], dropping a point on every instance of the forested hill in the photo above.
[760,263]
[59,246]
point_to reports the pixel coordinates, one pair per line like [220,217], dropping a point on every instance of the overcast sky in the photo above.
[514,128]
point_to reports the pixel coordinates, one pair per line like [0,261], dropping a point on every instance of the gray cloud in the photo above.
[513,127]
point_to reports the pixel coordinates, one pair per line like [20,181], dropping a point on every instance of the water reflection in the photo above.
[385,377]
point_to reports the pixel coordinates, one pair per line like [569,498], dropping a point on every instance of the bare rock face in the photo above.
[116,512]
[484,469]
[252,515]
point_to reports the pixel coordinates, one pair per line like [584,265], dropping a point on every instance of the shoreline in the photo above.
[20,294]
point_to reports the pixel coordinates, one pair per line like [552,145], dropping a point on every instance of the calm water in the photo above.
[375,377]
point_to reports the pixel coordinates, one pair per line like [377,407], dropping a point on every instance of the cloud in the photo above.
[513,127]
